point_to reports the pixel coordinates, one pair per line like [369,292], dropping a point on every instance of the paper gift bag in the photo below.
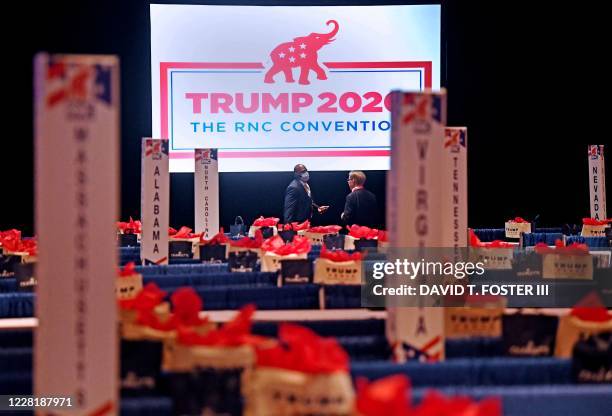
[349,242]
[238,228]
[7,264]
[529,335]
[182,358]
[127,240]
[593,230]
[334,241]
[140,366]
[329,272]
[315,238]
[149,298]
[213,253]
[246,244]
[592,359]
[281,392]
[304,374]
[513,229]
[271,262]
[127,287]
[206,372]
[242,261]
[494,258]
[266,231]
[527,264]
[207,380]
[370,245]
[296,271]
[25,274]
[180,249]
[141,358]
[466,322]
[287,235]
[570,266]
[143,337]
[572,329]
[235,249]
[128,283]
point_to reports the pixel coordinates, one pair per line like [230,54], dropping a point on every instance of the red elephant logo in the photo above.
[302,52]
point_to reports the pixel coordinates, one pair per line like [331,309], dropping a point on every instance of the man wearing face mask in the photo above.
[298,198]
[360,207]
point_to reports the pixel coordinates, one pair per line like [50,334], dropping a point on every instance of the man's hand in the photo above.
[322,208]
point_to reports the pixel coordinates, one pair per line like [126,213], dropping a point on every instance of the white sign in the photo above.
[268,86]
[77,201]
[515,229]
[155,201]
[206,183]
[558,266]
[597,181]
[329,272]
[593,230]
[454,189]
[494,258]
[414,212]
[414,183]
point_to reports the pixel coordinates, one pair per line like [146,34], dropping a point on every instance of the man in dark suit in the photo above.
[360,207]
[298,198]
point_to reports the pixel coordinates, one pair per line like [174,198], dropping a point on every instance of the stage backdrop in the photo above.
[270,86]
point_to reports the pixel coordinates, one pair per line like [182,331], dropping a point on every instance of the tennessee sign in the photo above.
[313,86]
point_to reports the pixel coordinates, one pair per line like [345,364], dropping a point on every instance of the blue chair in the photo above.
[342,296]
[361,327]
[531,239]
[8,284]
[15,338]
[547,230]
[490,234]
[555,400]
[16,305]
[473,371]
[592,242]
[145,406]
[474,347]
[14,360]
[190,269]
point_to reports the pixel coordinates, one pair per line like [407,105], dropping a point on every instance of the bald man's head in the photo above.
[299,168]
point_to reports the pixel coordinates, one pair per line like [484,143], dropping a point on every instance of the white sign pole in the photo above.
[206,191]
[155,201]
[77,201]
[597,181]
[414,214]
[454,189]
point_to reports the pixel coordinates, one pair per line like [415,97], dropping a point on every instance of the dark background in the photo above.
[516,74]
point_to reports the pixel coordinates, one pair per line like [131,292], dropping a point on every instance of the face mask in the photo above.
[304,176]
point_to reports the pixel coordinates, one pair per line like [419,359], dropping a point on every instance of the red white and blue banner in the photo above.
[269,86]
[597,181]
[206,191]
[77,205]
[155,201]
